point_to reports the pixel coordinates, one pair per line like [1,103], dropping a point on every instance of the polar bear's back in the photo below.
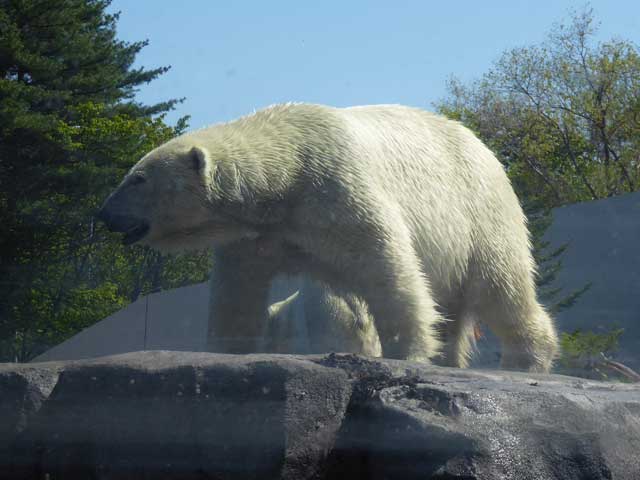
[399,143]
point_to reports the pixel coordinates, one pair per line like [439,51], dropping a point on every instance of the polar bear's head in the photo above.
[174,199]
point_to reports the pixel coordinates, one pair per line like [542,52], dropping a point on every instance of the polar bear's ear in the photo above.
[199,158]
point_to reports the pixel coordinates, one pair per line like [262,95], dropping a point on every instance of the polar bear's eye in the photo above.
[137,180]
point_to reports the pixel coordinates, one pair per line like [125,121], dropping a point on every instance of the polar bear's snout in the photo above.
[134,228]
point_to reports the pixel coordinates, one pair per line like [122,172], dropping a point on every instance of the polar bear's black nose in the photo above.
[102,215]
[110,220]
[134,228]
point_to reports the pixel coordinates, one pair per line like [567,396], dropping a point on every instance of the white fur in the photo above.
[402,208]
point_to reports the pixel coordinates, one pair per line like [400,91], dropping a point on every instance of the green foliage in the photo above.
[564,116]
[69,131]
[583,347]
[585,354]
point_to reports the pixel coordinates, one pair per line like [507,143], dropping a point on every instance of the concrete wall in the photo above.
[604,248]
[168,320]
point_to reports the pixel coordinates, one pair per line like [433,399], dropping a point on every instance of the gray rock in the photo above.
[186,415]
[444,423]
[23,390]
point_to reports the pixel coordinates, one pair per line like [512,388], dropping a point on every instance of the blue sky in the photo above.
[229,58]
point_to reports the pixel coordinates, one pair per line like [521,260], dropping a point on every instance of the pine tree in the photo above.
[69,129]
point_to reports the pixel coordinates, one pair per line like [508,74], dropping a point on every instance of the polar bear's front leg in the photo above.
[239,290]
[405,314]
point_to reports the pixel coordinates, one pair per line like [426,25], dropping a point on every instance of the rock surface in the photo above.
[183,415]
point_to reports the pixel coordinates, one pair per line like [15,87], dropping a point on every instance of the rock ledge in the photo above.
[184,415]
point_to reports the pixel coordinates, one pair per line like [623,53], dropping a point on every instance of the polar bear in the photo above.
[402,208]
